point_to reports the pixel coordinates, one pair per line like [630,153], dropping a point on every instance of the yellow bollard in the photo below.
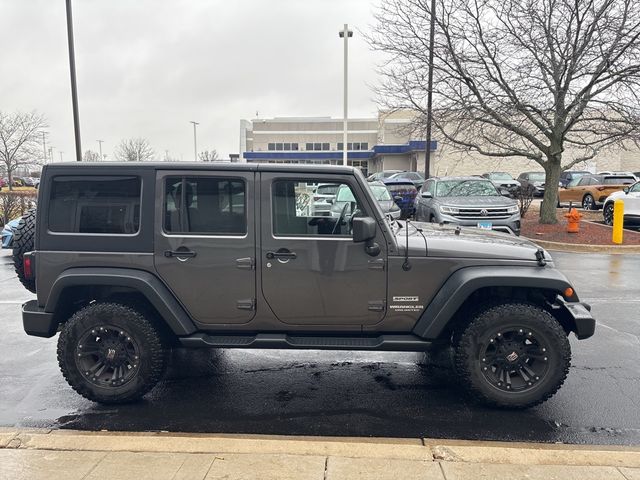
[618,220]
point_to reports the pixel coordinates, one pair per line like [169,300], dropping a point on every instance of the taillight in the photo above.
[27,264]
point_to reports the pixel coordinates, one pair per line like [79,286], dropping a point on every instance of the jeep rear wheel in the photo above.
[110,353]
[513,355]
[23,236]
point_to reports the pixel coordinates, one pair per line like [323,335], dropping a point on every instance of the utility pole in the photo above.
[195,143]
[61,152]
[74,86]
[432,32]
[44,146]
[100,142]
[50,154]
[346,34]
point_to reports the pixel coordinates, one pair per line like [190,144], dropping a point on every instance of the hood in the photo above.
[442,241]
[388,205]
[616,195]
[477,201]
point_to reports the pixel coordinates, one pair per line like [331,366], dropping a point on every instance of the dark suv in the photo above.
[131,259]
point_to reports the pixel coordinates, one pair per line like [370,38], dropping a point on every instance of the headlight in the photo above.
[513,209]
[449,210]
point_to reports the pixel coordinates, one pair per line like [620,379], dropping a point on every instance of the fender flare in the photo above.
[462,283]
[144,282]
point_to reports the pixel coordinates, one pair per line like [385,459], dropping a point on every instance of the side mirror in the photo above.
[426,195]
[364,230]
[625,190]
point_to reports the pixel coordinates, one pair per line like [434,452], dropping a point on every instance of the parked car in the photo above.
[535,179]
[7,233]
[467,201]
[568,176]
[631,197]
[323,195]
[28,181]
[404,193]
[378,176]
[415,177]
[179,268]
[591,191]
[15,181]
[502,180]
[344,198]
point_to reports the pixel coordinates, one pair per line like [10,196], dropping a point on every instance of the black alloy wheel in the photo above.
[607,213]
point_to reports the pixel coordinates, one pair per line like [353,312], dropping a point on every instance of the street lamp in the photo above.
[346,34]
[195,143]
[100,142]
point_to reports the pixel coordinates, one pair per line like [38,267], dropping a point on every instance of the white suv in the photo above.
[631,197]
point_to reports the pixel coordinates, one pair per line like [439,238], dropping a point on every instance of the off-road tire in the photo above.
[607,213]
[23,238]
[588,202]
[154,354]
[468,361]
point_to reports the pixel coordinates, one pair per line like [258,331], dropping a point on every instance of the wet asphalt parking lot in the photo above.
[344,393]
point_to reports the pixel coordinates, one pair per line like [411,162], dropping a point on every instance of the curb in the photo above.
[582,248]
[431,450]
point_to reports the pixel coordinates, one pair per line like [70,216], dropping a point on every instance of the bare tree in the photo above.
[134,150]
[90,156]
[208,155]
[553,81]
[20,140]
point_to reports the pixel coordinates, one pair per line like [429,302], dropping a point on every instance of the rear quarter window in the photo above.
[95,205]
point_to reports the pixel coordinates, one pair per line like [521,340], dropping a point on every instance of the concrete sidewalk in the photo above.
[70,455]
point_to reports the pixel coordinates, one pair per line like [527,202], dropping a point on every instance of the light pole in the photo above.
[195,143]
[74,86]
[432,32]
[346,34]
[100,142]
[61,152]
[44,146]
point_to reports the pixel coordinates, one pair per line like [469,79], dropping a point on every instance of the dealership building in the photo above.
[387,142]
[373,144]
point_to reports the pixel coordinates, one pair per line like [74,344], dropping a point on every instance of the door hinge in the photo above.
[246,263]
[377,264]
[377,305]
[247,304]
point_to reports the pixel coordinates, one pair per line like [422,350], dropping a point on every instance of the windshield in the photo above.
[380,193]
[537,177]
[345,195]
[500,176]
[465,188]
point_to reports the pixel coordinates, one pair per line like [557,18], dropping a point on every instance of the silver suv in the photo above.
[467,201]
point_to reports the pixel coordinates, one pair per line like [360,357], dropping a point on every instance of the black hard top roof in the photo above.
[204,166]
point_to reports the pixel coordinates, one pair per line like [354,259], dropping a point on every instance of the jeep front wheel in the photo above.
[513,355]
[110,353]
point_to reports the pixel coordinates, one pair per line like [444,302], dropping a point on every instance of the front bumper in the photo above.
[506,225]
[36,321]
[580,313]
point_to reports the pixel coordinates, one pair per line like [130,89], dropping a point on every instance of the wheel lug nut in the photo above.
[528,383]
[545,359]
[485,368]
[508,387]
[537,378]
[529,333]
[491,341]
[499,334]
[544,349]
[520,331]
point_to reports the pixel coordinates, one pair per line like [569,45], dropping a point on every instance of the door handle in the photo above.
[282,254]
[179,253]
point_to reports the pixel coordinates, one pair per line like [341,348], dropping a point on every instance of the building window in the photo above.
[309,146]
[279,146]
[325,146]
[364,146]
[317,146]
[294,146]
[109,204]
[340,145]
[286,146]
[205,205]
[272,146]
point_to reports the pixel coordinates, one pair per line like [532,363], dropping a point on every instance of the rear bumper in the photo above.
[36,321]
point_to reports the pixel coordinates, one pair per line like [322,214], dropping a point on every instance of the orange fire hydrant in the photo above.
[573,220]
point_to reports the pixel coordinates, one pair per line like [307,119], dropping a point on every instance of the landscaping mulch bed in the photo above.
[590,233]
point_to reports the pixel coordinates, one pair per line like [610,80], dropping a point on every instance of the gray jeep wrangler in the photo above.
[130,260]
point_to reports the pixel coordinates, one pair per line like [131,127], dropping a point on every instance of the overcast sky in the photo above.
[148,67]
